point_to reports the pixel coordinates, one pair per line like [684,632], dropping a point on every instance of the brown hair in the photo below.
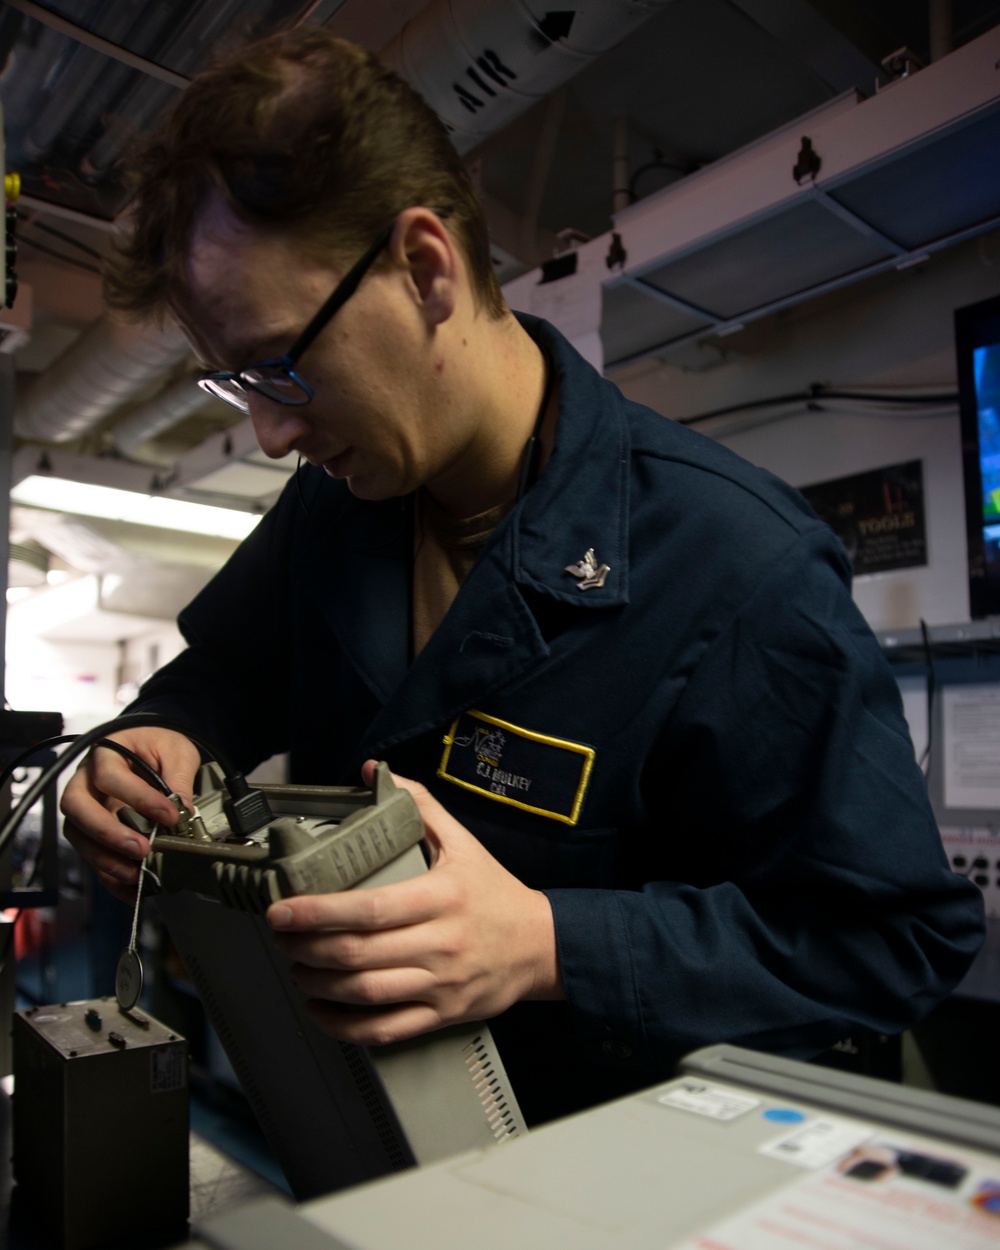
[303,132]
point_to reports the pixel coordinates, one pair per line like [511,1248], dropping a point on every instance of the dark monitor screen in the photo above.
[977,342]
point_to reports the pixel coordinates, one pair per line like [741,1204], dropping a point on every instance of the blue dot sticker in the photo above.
[987,1198]
[784,1115]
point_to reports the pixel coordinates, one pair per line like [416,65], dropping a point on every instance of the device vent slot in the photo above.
[372,1097]
[479,1065]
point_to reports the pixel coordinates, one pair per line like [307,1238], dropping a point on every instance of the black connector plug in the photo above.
[247,810]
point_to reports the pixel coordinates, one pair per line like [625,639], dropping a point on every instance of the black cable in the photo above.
[151,775]
[884,397]
[931,690]
[60,234]
[248,804]
[298,488]
[51,251]
[48,743]
[817,393]
[657,163]
[529,457]
[7,775]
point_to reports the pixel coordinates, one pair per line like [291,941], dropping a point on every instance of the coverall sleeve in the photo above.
[811,893]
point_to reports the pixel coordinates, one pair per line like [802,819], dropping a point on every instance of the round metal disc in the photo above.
[128,979]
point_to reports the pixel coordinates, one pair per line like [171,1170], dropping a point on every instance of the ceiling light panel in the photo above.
[84,499]
[633,321]
[739,273]
[947,184]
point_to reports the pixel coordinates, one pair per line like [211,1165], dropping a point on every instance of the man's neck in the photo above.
[511,374]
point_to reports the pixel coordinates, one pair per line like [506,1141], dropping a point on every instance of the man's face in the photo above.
[374,419]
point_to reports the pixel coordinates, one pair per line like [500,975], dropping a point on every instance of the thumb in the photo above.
[441,829]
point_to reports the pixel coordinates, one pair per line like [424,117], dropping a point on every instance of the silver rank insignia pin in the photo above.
[590,573]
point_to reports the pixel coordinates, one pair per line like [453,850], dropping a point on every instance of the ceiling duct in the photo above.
[162,413]
[28,564]
[481,63]
[109,364]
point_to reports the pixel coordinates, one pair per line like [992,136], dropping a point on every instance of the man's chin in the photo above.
[339,467]
[367,489]
[371,487]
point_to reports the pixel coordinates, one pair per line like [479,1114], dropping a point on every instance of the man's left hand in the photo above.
[462,941]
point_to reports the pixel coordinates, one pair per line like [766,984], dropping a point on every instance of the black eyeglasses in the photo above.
[276,379]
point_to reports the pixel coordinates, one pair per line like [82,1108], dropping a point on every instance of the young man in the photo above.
[669,793]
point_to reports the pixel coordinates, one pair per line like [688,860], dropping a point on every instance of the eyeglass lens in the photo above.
[279,384]
[227,389]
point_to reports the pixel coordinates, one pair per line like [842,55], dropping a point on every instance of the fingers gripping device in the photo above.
[322,839]
[335,1114]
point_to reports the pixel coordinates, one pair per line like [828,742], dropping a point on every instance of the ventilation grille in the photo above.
[371,1094]
[479,1065]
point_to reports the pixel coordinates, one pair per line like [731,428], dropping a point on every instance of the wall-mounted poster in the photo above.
[878,516]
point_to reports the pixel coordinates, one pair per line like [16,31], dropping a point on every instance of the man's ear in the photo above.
[423,248]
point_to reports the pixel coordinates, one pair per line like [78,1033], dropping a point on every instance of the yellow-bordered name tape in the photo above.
[509,764]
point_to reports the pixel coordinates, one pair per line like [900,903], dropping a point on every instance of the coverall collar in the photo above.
[580,501]
[490,637]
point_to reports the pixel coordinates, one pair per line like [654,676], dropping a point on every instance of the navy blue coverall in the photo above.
[703,761]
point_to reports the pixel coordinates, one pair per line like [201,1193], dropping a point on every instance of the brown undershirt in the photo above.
[444,550]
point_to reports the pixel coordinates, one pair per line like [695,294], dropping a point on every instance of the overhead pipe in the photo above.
[108,365]
[621,196]
[942,28]
[541,166]
[180,400]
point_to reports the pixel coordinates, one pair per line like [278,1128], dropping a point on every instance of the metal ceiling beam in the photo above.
[942,28]
[51,209]
[508,230]
[318,12]
[541,164]
[104,46]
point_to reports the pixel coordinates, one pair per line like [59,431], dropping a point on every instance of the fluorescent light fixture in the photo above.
[61,495]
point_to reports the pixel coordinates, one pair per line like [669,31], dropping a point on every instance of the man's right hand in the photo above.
[105,782]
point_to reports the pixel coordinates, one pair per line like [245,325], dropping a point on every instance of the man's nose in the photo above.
[278,427]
